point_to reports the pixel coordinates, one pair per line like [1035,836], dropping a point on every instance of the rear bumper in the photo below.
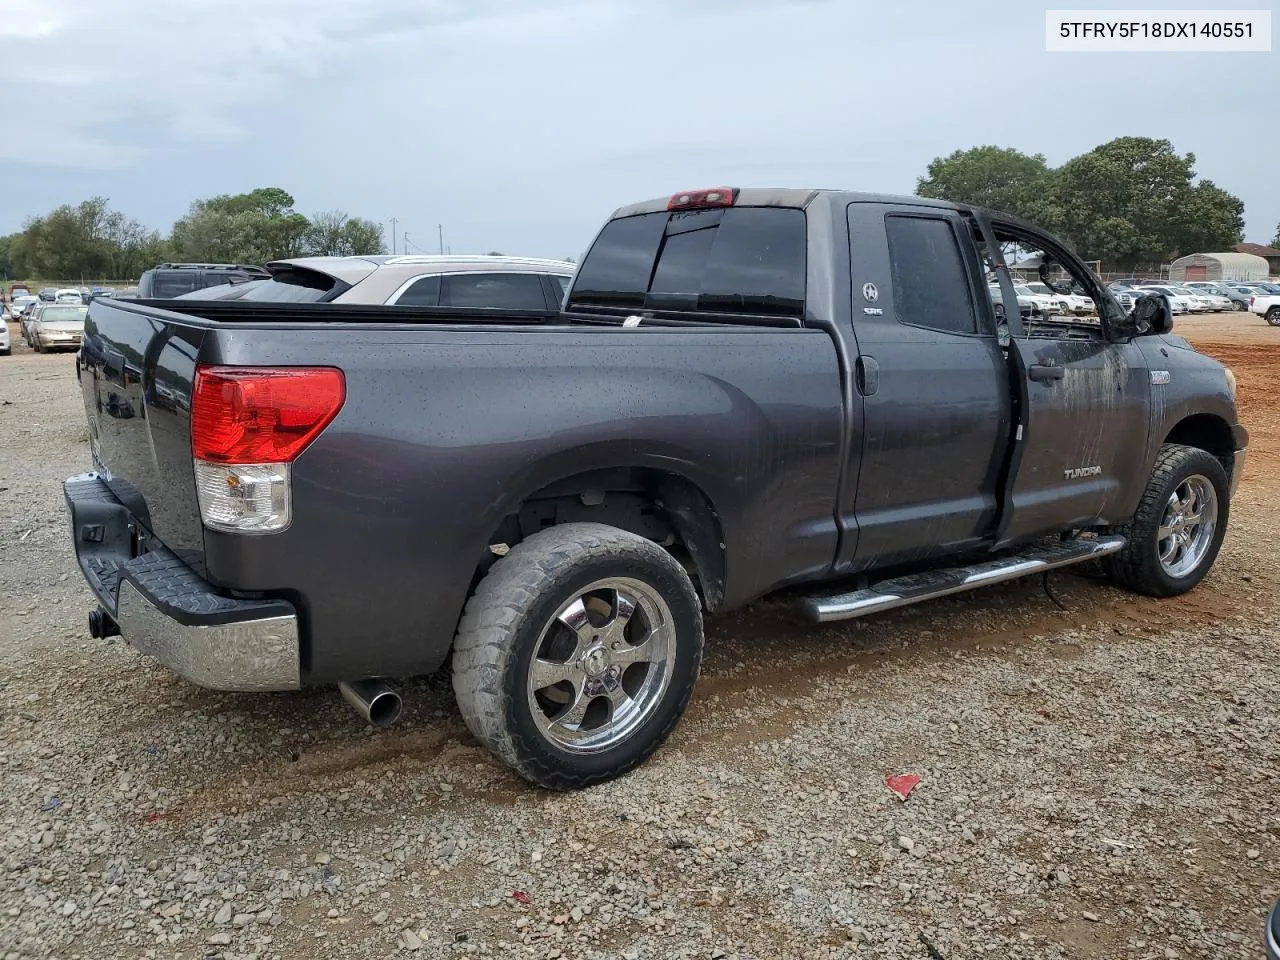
[168,612]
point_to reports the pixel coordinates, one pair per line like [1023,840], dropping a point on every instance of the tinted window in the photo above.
[510,291]
[930,285]
[736,260]
[618,266]
[292,286]
[564,284]
[173,283]
[424,292]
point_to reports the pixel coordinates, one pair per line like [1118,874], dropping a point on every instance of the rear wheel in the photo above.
[1177,531]
[1273,316]
[578,653]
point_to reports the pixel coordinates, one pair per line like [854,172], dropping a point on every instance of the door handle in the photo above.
[1042,372]
[868,374]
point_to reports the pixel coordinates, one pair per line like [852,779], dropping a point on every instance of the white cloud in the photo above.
[520,123]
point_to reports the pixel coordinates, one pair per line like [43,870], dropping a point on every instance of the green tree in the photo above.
[333,233]
[253,227]
[1207,220]
[364,237]
[73,242]
[998,178]
[1276,241]
[1132,201]
[7,266]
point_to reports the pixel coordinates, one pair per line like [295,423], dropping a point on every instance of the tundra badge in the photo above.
[1075,473]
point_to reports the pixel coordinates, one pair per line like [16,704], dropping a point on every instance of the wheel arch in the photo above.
[664,504]
[1208,432]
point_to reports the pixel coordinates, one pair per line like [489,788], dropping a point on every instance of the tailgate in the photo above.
[136,369]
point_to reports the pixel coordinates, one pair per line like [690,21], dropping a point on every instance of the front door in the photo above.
[935,389]
[1085,420]
[1084,432]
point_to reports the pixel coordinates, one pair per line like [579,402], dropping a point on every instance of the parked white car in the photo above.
[1217,302]
[1266,305]
[1227,291]
[1024,302]
[1074,301]
[1177,302]
[1199,300]
[69,296]
[1050,303]
[4,340]
[19,303]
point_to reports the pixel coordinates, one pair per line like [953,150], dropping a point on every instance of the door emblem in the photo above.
[870,293]
[1077,473]
[1159,377]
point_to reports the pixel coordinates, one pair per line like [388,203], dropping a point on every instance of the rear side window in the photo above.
[508,291]
[174,283]
[930,285]
[747,260]
[423,292]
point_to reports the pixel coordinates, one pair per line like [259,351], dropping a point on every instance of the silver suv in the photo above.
[511,283]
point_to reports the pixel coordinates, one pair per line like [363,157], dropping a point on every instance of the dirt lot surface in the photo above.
[1096,782]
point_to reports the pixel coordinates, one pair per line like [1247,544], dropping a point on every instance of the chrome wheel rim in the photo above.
[1187,527]
[602,665]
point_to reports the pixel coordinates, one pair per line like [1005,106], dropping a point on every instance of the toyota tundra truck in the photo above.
[744,390]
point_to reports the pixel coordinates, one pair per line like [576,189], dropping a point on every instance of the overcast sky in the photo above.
[520,124]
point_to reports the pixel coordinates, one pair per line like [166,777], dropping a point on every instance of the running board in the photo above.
[915,587]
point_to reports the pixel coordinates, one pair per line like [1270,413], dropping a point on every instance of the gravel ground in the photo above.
[1096,782]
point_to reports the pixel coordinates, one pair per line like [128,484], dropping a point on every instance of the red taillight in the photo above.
[698,199]
[261,414]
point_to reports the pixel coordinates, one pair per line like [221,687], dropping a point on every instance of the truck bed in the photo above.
[452,419]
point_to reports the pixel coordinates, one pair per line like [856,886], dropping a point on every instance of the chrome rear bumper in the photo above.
[167,611]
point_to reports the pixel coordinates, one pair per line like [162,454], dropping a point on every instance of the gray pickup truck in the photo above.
[744,390]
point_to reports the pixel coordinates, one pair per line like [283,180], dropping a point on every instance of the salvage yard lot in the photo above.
[1098,781]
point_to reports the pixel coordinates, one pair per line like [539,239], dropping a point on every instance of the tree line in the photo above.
[1131,202]
[89,240]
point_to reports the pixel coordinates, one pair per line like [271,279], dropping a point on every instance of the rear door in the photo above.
[935,391]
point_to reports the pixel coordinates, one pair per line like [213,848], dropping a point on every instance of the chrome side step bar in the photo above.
[915,587]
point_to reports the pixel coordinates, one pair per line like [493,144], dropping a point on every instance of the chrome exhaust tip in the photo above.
[374,700]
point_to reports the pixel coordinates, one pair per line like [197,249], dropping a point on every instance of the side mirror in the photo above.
[1151,316]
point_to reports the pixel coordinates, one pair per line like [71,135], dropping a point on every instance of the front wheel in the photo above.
[577,654]
[1177,531]
[1273,316]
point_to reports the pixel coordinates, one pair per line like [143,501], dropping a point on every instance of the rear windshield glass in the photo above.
[63,314]
[293,286]
[748,260]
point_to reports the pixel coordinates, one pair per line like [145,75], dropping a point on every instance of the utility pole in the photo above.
[406,243]
[440,231]
[394,221]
